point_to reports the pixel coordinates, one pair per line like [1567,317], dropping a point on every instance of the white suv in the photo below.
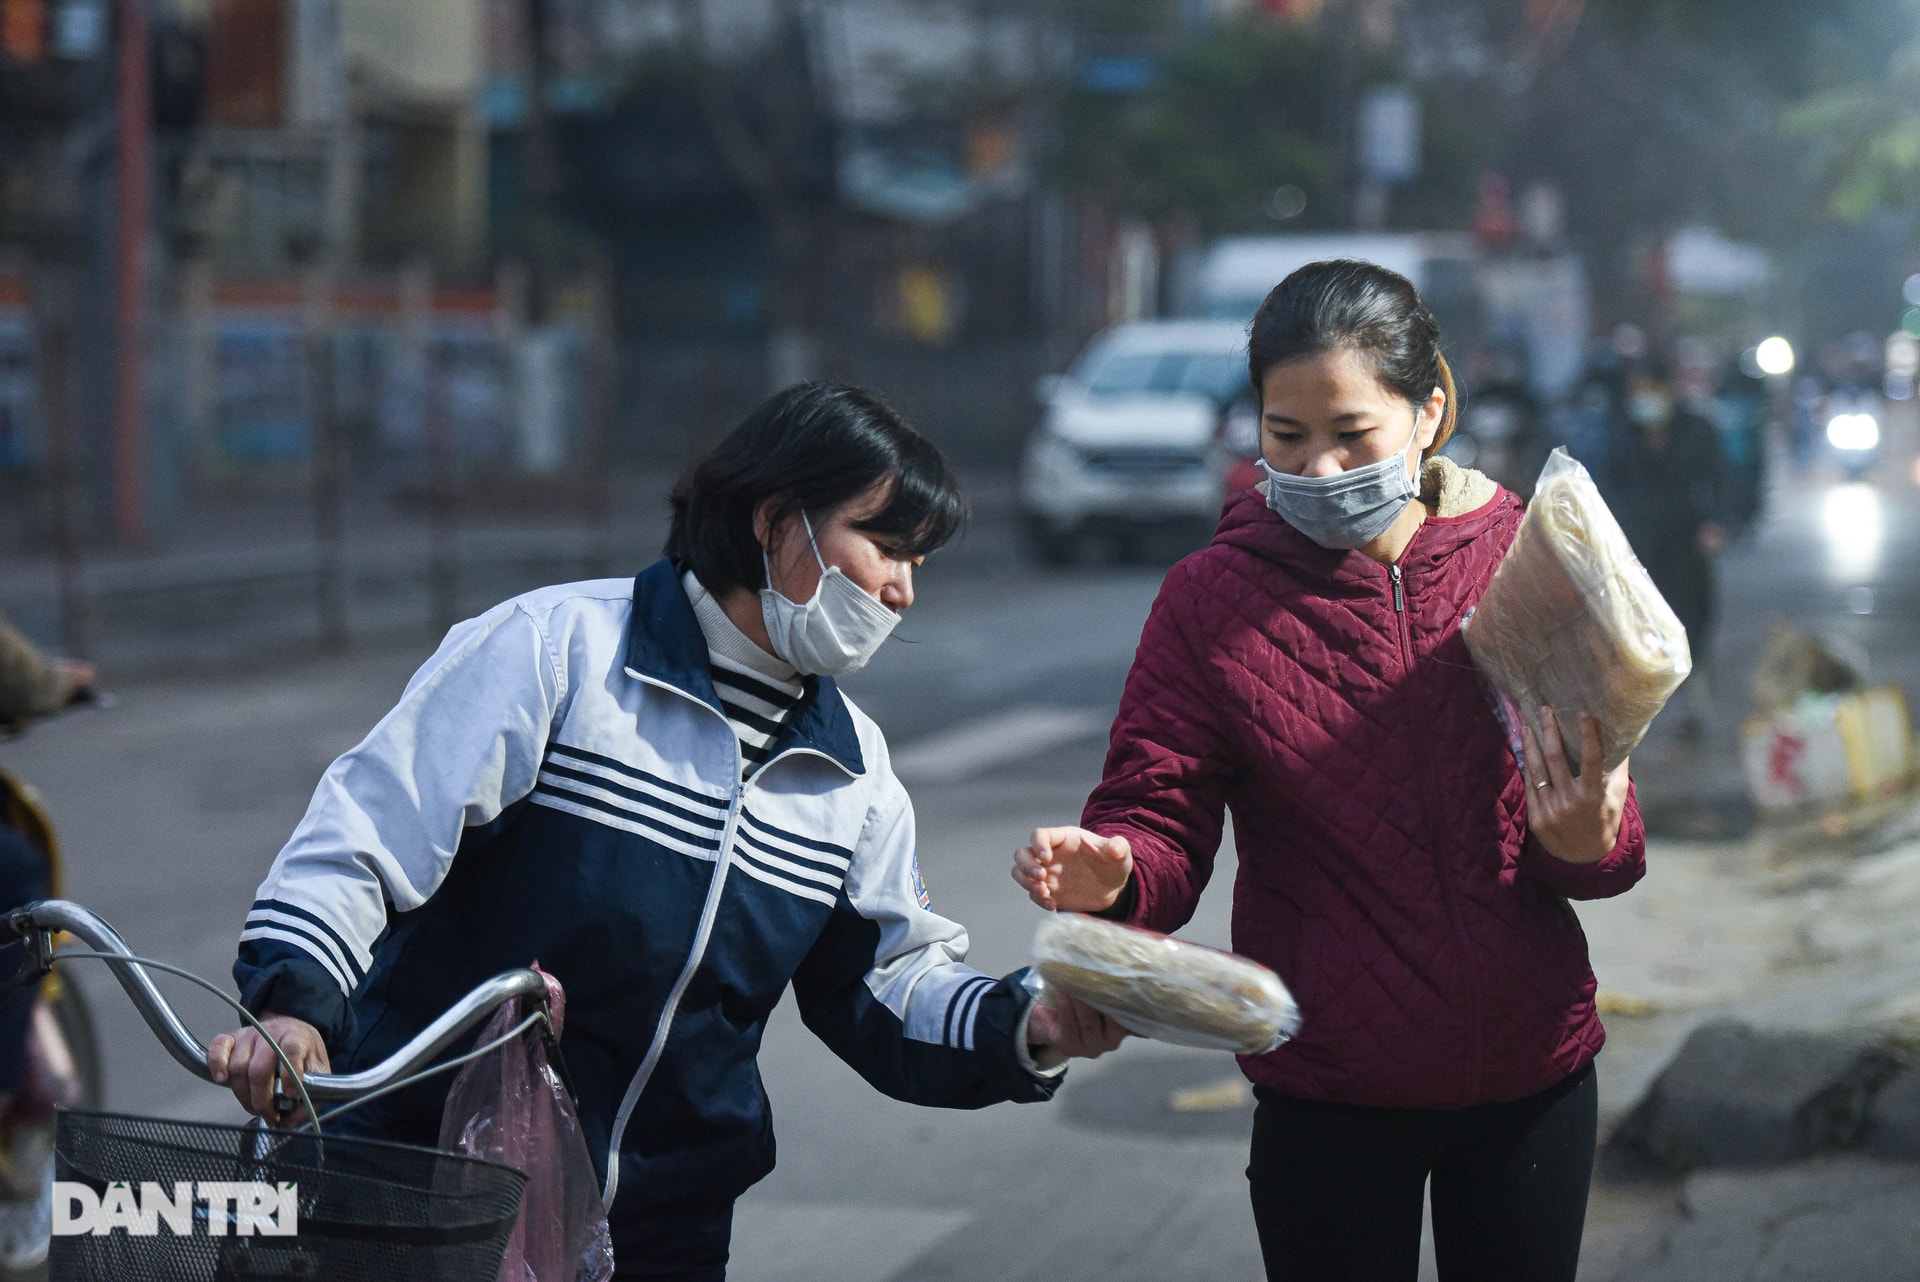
[1129,442]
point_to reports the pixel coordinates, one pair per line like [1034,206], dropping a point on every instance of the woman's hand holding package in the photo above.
[1062,1027]
[1073,870]
[1576,817]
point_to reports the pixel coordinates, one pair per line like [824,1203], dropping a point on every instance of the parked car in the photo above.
[1128,446]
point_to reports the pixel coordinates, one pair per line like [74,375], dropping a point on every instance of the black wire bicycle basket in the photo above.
[362,1210]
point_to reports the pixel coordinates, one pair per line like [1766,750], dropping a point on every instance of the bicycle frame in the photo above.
[38,923]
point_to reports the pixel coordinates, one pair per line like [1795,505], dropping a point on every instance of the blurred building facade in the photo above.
[735,193]
[784,190]
[318,183]
[347,126]
[746,191]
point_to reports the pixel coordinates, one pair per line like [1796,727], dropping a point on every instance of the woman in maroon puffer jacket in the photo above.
[1307,673]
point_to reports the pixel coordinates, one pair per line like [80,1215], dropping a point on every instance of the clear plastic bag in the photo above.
[1572,621]
[1165,988]
[511,1106]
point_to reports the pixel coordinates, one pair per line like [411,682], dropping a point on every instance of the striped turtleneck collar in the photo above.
[758,691]
[725,639]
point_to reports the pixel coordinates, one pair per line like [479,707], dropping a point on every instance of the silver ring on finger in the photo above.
[1543,783]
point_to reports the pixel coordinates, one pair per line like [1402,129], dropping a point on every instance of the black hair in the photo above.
[1342,304]
[810,449]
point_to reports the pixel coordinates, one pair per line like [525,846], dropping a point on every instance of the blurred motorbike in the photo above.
[1853,433]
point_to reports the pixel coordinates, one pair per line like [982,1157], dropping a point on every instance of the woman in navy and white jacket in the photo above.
[654,788]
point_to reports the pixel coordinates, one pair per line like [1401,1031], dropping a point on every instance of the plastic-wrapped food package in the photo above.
[511,1106]
[1572,620]
[1165,988]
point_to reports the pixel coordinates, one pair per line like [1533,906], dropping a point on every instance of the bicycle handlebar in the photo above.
[38,922]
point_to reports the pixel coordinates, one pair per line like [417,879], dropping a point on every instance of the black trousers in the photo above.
[1337,1188]
[673,1244]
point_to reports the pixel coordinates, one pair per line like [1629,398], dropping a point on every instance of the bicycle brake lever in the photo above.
[38,962]
[18,926]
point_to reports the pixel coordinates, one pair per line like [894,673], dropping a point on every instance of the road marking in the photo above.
[1229,1095]
[974,747]
[843,1242]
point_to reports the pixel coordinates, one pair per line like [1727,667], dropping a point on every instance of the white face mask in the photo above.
[1348,509]
[835,632]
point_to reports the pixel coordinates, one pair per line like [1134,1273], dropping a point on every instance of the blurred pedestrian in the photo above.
[1809,396]
[1397,866]
[1740,410]
[1503,427]
[1592,412]
[1665,478]
[31,685]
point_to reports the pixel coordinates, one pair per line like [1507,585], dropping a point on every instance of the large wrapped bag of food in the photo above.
[1572,620]
[1165,988]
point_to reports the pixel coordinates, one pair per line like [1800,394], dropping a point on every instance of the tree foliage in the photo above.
[1791,46]
[1871,140]
[1228,118]
[1867,132]
[1849,74]
[1644,113]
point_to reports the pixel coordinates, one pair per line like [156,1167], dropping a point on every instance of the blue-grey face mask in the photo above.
[1348,509]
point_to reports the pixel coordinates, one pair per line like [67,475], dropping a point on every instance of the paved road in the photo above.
[996,701]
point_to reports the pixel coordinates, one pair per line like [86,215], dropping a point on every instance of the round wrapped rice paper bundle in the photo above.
[1165,988]
[1573,621]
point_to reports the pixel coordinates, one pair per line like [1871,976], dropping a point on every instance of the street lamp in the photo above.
[1774,356]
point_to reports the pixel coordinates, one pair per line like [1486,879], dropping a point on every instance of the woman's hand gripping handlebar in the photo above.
[245,1061]
[38,923]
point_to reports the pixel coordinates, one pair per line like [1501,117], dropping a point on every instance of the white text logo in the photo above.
[141,1211]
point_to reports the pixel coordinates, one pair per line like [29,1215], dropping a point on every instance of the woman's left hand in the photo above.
[1576,817]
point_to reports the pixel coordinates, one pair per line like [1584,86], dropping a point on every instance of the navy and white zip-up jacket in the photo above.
[559,784]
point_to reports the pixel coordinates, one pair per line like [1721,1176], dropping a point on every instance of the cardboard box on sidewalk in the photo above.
[1830,748]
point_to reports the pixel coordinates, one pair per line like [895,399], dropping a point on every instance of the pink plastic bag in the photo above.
[510,1106]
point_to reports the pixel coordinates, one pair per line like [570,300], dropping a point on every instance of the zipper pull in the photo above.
[1399,592]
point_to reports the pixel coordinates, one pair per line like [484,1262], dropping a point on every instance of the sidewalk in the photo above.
[1820,940]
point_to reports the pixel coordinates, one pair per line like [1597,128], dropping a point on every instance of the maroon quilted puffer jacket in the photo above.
[1386,869]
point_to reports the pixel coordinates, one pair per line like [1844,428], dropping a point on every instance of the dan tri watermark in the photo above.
[267,1210]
